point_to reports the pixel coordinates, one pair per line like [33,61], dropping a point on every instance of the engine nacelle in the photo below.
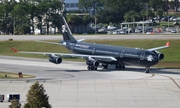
[55,59]
[92,63]
[160,56]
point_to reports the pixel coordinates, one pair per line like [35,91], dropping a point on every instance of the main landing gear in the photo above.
[105,66]
[91,68]
[119,66]
[147,69]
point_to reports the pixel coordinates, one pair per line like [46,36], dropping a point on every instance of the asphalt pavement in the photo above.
[90,37]
[70,85]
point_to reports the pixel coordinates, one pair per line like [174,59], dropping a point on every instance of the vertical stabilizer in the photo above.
[66,32]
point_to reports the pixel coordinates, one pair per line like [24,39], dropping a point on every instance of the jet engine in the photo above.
[55,59]
[160,55]
[92,63]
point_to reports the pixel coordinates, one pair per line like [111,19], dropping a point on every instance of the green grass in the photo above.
[172,54]
[5,48]
[166,24]
[13,75]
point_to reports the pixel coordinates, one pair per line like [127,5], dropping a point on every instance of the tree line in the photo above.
[24,16]
[19,17]
[117,11]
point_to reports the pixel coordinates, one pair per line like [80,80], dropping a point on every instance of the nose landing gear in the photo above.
[147,69]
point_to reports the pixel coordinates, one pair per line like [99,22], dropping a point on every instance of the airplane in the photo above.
[101,54]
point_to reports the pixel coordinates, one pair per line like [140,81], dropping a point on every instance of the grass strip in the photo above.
[10,75]
[172,57]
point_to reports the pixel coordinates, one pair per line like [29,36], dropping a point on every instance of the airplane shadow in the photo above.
[131,69]
[164,71]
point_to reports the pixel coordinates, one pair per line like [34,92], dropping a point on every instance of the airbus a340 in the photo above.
[100,54]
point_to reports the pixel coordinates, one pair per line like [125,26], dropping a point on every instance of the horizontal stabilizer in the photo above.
[80,40]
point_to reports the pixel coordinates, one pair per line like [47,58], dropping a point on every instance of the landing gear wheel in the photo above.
[92,68]
[89,67]
[105,66]
[123,67]
[118,67]
[147,69]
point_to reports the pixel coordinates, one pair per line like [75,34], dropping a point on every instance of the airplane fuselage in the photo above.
[94,54]
[124,55]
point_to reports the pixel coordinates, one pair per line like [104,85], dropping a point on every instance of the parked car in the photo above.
[131,30]
[171,18]
[1,97]
[138,31]
[123,31]
[13,96]
[115,32]
[149,29]
[102,29]
[176,19]
[111,28]
[173,31]
[165,18]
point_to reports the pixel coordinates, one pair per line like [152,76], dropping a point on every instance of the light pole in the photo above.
[168,23]
[95,17]
[60,11]
[92,14]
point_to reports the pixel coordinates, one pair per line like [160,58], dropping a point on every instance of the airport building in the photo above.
[71,4]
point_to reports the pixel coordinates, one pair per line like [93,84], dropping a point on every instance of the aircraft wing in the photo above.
[161,47]
[95,57]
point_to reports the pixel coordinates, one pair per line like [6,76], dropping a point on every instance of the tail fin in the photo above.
[66,32]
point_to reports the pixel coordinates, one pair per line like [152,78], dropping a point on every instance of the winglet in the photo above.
[14,50]
[168,44]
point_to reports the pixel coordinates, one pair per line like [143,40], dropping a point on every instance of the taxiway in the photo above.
[91,37]
[70,85]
